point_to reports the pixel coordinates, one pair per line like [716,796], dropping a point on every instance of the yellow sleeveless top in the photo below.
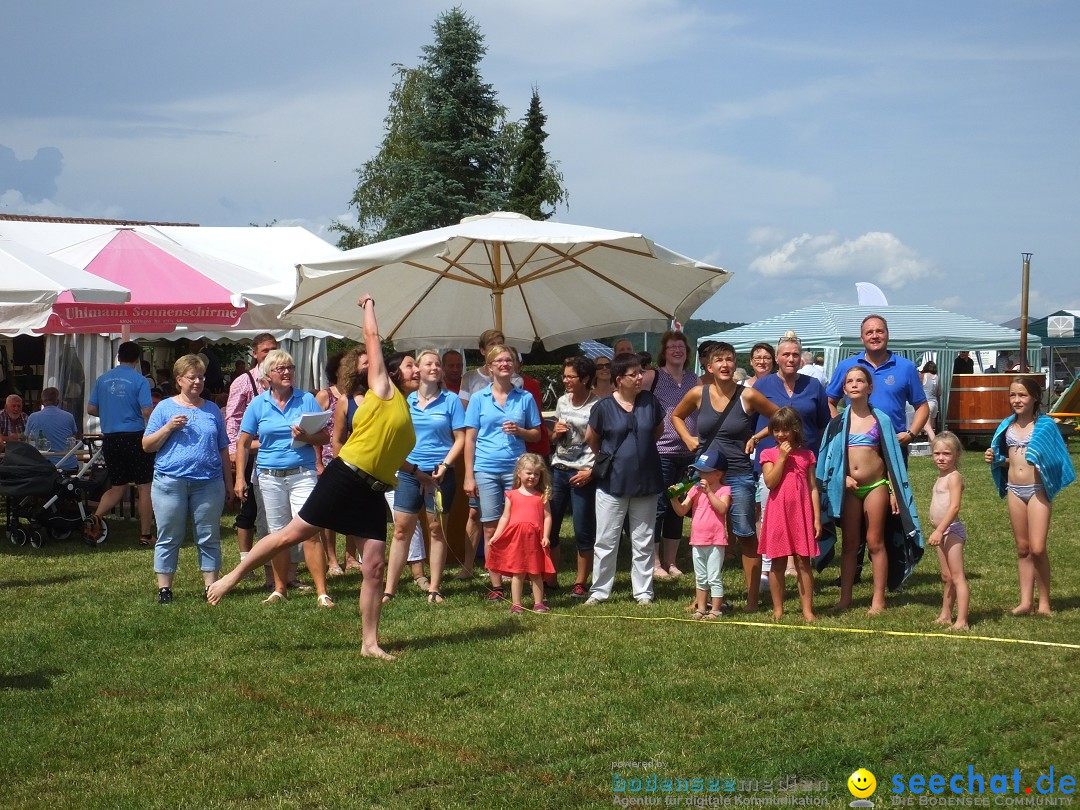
[382,436]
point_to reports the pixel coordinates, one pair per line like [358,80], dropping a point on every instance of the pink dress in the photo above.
[788,525]
[518,549]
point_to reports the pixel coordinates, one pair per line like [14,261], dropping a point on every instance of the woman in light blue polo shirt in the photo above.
[439,421]
[192,475]
[498,422]
[285,467]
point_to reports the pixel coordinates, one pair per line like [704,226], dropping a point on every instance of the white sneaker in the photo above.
[644,600]
[592,601]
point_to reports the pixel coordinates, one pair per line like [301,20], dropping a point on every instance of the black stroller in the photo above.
[49,501]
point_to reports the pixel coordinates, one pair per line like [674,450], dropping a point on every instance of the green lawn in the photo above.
[109,700]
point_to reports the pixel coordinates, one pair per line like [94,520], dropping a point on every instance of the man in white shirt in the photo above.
[811,369]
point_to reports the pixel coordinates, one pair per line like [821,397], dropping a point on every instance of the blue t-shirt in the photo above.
[498,452]
[434,426]
[194,451]
[809,400]
[121,395]
[896,383]
[273,427]
[59,426]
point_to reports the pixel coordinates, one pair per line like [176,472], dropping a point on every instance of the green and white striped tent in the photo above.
[835,330]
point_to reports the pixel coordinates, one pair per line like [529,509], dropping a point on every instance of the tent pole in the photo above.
[1024,312]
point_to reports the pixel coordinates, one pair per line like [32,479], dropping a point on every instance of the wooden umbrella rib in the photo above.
[331,288]
[474,278]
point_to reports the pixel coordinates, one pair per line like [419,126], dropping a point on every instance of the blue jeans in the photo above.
[493,488]
[674,469]
[743,491]
[176,498]
[582,503]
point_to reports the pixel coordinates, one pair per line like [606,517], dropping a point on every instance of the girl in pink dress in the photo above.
[519,547]
[792,520]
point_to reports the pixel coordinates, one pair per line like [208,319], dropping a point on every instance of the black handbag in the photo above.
[602,461]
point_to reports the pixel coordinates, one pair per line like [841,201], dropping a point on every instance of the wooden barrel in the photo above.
[978,402]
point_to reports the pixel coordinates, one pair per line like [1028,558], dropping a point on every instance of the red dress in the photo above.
[517,550]
[788,525]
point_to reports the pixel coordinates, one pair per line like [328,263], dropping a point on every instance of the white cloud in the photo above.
[876,256]
[12,202]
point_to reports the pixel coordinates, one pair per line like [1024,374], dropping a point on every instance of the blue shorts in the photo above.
[493,488]
[408,497]
[742,505]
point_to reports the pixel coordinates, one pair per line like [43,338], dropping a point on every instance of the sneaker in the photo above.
[644,601]
[726,608]
[579,591]
[164,596]
[495,595]
[516,609]
[540,607]
[592,601]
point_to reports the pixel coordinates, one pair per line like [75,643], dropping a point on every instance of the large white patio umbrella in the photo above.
[533,280]
[30,283]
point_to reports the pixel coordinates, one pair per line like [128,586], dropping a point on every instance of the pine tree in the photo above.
[535,180]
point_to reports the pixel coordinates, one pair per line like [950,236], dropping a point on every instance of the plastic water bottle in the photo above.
[42,442]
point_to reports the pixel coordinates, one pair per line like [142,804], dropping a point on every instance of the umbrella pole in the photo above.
[1024,311]
[497,290]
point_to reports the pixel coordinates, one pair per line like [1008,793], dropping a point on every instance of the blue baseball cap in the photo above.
[712,459]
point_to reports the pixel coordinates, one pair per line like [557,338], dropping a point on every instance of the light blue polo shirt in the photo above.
[58,426]
[498,452]
[273,427]
[896,383]
[194,451]
[120,395]
[434,426]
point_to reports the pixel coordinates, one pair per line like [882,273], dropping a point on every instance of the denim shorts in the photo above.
[493,488]
[742,504]
[408,496]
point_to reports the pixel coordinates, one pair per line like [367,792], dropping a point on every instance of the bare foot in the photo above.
[463,575]
[1044,611]
[875,611]
[840,607]
[943,619]
[777,615]
[216,592]
[376,652]
[751,607]
[1021,610]
[960,626]
[808,616]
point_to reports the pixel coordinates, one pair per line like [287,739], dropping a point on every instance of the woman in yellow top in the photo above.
[349,496]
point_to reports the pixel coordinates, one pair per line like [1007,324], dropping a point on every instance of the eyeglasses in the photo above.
[502,362]
[571,377]
[284,369]
[200,378]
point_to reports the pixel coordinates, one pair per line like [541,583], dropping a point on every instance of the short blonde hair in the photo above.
[273,359]
[187,363]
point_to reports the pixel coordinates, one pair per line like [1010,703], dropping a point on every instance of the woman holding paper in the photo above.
[286,465]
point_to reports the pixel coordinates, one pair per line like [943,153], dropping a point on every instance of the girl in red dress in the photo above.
[519,547]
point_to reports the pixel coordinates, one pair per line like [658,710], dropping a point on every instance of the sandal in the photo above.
[422,582]
[435,598]
[699,613]
[297,585]
[324,601]
[147,540]
[276,596]
[386,597]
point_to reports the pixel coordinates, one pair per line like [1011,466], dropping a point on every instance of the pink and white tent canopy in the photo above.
[169,285]
[31,282]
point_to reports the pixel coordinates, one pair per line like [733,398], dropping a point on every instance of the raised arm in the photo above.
[379,382]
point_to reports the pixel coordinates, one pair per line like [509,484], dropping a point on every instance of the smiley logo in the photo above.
[861,783]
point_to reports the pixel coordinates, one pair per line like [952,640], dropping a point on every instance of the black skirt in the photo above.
[344,503]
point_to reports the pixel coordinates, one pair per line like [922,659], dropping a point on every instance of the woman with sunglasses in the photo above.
[286,467]
[602,385]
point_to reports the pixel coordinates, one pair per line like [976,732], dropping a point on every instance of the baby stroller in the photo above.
[49,501]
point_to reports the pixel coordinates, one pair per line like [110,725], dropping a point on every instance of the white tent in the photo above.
[835,330]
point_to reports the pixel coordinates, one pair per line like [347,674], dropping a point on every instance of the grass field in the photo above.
[109,700]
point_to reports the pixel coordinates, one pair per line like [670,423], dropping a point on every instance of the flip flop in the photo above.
[435,598]
[386,597]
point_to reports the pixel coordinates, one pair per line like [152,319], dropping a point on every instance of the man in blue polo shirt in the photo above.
[57,425]
[121,399]
[896,381]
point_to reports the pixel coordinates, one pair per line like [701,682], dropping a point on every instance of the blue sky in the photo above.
[804,145]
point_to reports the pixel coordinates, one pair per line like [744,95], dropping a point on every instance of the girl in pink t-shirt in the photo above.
[709,500]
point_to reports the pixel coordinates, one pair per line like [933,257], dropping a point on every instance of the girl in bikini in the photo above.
[949,535]
[868,495]
[1030,465]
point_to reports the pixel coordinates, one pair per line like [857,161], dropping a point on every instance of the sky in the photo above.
[805,146]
